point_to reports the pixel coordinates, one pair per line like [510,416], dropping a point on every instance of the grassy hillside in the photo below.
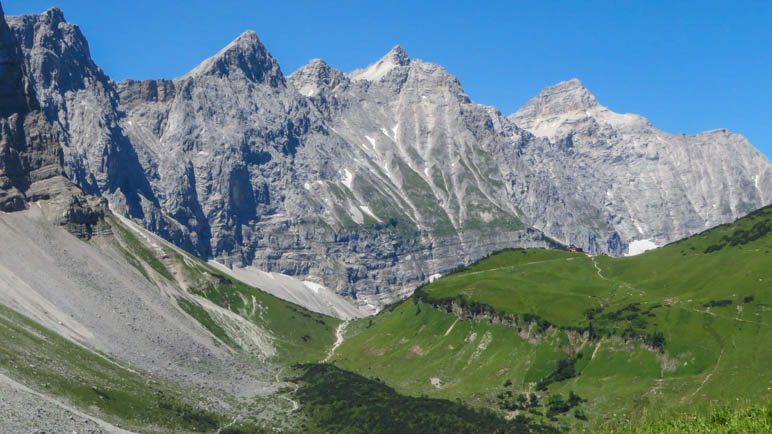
[343,402]
[683,327]
[750,420]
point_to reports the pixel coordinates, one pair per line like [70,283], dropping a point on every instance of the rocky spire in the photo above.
[564,97]
[396,57]
[245,56]
[315,76]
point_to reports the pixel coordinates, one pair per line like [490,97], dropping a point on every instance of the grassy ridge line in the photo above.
[299,335]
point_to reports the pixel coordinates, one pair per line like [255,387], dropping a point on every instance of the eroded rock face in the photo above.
[370,182]
[643,183]
[31,157]
[312,176]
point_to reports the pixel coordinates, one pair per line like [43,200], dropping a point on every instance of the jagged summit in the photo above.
[230,163]
[396,57]
[54,15]
[564,97]
[246,56]
[314,76]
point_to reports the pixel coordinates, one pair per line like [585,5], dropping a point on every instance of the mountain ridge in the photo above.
[367,182]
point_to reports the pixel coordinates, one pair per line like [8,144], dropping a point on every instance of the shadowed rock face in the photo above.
[370,182]
[31,166]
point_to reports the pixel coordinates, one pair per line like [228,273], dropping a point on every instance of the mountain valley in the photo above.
[238,250]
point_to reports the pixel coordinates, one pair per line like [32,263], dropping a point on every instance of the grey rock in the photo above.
[31,155]
[372,181]
[633,180]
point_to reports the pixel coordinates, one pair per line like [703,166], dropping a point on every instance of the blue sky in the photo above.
[687,66]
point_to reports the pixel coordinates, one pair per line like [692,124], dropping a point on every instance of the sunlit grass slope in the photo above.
[678,328]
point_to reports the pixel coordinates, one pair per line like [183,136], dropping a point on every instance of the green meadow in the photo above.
[682,328]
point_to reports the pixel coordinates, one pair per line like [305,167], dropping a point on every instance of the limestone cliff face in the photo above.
[310,175]
[643,183]
[31,163]
[367,182]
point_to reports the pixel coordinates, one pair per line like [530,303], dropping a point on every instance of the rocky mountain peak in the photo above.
[315,76]
[396,57]
[245,57]
[566,96]
[54,16]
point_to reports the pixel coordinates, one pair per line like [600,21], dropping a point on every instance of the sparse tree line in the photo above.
[629,322]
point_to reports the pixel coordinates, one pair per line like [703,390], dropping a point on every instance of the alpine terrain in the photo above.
[240,250]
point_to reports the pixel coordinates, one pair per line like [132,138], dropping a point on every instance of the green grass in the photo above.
[299,335]
[674,329]
[202,316]
[339,401]
[136,247]
[756,419]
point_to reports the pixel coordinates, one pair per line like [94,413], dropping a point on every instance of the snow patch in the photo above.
[369,212]
[434,277]
[639,246]
[356,214]
[371,140]
[307,186]
[348,178]
[486,216]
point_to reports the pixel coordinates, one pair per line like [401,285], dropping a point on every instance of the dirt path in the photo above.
[295,404]
[228,425]
[338,340]
[596,349]
[595,263]
[707,312]
[707,377]
[450,328]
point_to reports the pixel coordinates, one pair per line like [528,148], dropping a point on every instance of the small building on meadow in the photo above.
[573,248]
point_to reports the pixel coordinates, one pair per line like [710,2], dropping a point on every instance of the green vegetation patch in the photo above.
[136,248]
[202,316]
[673,329]
[300,335]
[344,402]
